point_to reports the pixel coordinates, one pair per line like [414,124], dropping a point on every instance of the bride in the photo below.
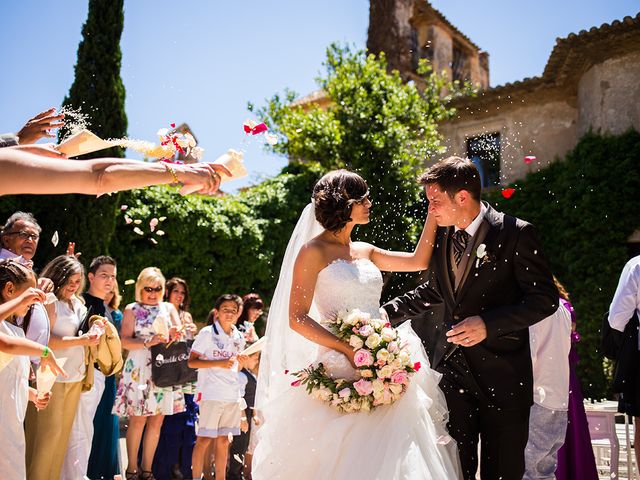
[324,272]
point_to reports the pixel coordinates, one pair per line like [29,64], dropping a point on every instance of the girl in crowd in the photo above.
[178,434]
[138,397]
[17,294]
[48,430]
[575,457]
[251,311]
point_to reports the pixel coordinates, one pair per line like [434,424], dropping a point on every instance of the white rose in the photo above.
[356,342]
[388,334]
[396,364]
[404,357]
[377,324]
[378,385]
[395,388]
[383,355]
[366,373]
[393,346]
[373,340]
[385,372]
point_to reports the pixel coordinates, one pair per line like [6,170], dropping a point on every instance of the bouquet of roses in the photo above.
[383,364]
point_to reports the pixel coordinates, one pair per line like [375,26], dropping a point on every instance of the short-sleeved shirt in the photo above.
[216,383]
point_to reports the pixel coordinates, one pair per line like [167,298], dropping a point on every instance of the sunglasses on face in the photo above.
[25,235]
[152,289]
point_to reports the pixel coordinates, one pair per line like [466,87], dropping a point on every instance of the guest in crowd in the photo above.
[145,324]
[19,237]
[26,172]
[550,342]
[625,305]
[178,434]
[48,430]
[36,128]
[112,304]
[575,459]
[17,294]
[252,310]
[102,299]
[240,460]
[215,353]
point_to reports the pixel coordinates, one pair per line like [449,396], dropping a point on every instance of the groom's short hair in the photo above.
[452,175]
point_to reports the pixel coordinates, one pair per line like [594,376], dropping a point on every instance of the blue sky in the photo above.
[201,61]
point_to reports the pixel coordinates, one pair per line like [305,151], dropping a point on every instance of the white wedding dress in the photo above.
[304,438]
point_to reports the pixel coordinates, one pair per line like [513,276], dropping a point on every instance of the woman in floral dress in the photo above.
[147,322]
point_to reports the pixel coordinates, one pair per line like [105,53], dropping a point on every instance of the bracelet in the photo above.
[172,171]
[45,352]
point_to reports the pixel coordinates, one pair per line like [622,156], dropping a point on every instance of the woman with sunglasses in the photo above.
[145,324]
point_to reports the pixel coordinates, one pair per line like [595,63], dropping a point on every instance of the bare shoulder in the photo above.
[312,255]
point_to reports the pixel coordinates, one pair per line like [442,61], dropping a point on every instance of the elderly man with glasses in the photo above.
[19,238]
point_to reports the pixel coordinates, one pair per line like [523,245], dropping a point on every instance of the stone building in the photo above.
[591,82]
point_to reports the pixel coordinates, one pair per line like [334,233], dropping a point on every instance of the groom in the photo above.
[489,281]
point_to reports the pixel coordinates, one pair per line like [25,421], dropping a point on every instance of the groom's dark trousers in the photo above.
[489,386]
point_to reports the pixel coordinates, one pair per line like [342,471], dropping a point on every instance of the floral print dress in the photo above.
[137,394]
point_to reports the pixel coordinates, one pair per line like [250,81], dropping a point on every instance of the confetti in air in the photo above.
[529,158]
[129,282]
[55,239]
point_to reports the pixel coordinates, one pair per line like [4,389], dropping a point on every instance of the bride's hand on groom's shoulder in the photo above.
[469,332]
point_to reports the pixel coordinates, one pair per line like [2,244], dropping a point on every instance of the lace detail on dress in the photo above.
[347,284]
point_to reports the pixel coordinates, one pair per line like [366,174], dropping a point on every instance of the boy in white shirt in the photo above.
[215,354]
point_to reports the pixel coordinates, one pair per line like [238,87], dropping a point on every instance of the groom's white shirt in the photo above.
[473,227]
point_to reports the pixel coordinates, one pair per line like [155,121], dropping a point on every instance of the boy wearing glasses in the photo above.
[215,353]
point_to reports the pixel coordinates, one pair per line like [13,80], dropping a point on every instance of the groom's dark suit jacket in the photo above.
[511,289]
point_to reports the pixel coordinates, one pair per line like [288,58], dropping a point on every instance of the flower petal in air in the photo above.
[508,192]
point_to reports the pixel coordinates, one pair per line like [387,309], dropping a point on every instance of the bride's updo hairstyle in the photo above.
[334,196]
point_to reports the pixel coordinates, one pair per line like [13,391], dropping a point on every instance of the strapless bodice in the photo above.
[344,285]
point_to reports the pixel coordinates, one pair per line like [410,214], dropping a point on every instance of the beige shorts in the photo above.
[219,419]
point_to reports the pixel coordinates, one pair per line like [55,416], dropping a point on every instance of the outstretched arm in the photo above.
[390,261]
[308,265]
[26,173]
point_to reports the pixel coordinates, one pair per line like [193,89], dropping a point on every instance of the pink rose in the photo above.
[345,392]
[399,376]
[363,358]
[366,330]
[363,387]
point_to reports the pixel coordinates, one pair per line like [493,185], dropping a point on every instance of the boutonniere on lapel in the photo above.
[482,256]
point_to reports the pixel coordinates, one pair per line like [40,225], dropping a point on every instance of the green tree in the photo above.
[375,124]
[99,93]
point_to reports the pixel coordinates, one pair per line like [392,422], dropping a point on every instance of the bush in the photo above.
[218,245]
[585,208]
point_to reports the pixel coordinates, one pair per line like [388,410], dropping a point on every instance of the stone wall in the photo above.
[609,96]
[545,130]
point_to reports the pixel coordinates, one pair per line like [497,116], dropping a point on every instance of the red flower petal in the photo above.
[387,324]
[417,366]
[508,192]
[286,372]
[296,383]
[247,128]
[529,158]
[173,125]
[261,127]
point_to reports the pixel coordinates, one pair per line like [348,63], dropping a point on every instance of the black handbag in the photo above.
[170,364]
